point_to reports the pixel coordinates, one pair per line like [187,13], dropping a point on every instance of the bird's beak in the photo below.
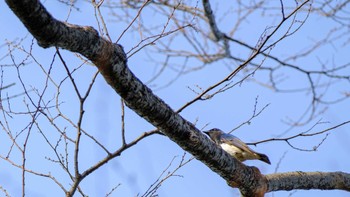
[206,132]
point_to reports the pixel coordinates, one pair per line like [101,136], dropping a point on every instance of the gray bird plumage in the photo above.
[234,146]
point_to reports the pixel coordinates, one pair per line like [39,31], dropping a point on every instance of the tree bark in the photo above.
[111,61]
[308,180]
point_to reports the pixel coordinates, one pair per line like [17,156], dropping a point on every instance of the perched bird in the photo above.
[234,146]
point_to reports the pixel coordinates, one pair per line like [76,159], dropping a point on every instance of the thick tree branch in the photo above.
[308,180]
[111,61]
[218,35]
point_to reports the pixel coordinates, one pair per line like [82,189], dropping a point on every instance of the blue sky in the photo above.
[137,168]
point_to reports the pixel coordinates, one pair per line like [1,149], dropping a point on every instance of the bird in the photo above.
[234,146]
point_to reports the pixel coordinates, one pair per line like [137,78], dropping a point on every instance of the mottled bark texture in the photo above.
[308,180]
[112,63]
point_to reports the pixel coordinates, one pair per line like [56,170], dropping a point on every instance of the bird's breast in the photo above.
[230,149]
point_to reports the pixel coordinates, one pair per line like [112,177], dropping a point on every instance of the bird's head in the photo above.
[214,133]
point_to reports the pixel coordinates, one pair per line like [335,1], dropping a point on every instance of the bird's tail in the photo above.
[264,158]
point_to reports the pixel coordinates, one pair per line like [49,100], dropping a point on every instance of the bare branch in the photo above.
[307,180]
[304,134]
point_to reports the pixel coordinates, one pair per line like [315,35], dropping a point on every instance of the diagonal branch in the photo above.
[111,61]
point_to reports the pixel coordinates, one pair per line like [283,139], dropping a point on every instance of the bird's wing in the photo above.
[233,140]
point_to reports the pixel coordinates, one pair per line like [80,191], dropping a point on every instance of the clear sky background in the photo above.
[137,168]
